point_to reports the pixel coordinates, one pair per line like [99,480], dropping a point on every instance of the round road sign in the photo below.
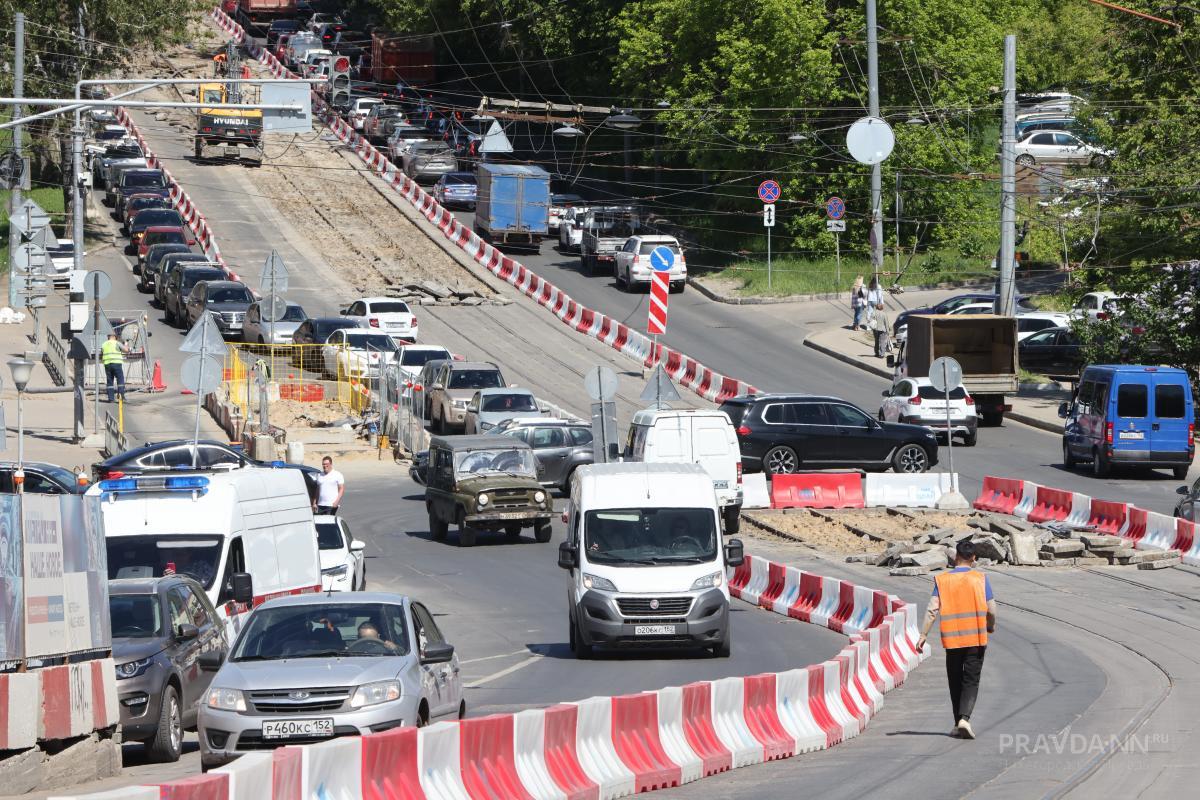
[96,285]
[601,383]
[662,258]
[870,140]
[272,307]
[201,374]
[835,208]
[945,374]
[769,191]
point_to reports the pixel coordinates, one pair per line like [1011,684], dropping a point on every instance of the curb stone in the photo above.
[735,300]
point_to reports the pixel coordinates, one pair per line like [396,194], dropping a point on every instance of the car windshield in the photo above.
[650,247]
[461,180]
[387,111]
[143,203]
[155,556]
[329,536]
[312,630]
[144,179]
[370,341]
[135,616]
[230,294]
[108,134]
[508,402]
[322,329]
[429,147]
[631,536]
[419,358]
[157,216]
[512,460]
[165,237]
[190,279]
[389,308]
[294,314]
[475,379]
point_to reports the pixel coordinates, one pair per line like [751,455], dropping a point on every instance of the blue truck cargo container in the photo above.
[512,204]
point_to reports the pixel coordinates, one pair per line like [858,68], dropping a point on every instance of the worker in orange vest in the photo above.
[962,597]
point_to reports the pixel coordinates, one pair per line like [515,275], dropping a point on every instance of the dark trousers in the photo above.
[114,373]
[964,665]
[330,510]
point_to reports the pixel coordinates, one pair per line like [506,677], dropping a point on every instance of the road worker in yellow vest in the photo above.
[112,356]
[962,597]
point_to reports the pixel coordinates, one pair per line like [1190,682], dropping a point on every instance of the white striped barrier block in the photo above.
[755,493]
[922,490]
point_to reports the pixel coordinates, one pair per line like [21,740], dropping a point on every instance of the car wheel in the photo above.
[542,531]
[1099,162]
[970,439]
[733,519]
[993,419]
[1025,160]
[462,709]
[1068,459]
[911,458]
[466,534]
[1100,465]
[437,527]
[1180,472]
[566,484]
[780,460]
[723,649]
[168,739]
[512,532]
[423,715]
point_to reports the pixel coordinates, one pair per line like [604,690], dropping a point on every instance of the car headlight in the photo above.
[708,581]
[486,426]
[131,669]
[598,583]
[459,403]
[483,500]
[539,497]
[226,699]
[336,572]
[370,694]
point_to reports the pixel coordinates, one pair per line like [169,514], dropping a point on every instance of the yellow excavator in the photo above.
[227,132]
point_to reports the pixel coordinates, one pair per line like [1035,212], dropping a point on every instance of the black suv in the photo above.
[785,433]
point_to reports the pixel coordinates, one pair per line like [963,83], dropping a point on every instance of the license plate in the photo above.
[296,728]
[653,630]
[1131,435]
[232,151]
[720,484]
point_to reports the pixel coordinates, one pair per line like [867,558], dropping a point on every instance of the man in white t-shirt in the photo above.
[330,488]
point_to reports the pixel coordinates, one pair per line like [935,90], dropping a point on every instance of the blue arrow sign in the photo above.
[661,258]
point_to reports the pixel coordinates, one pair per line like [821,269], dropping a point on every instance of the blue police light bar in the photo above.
[118,485]
[155,483]
[279,464]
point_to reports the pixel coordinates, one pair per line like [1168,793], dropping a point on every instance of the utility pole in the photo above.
[899,211]
[14,236]
[876,169]
[1008,182]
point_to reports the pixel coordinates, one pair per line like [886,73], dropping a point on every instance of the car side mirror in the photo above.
[568,556]
[210,660]
[887,392]
[734,553]
[357,546]
[243,587]
[891,362]
[186,632]
[1182,490]
[437,653]
[1064,409]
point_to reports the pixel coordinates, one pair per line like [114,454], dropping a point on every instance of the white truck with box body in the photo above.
[645,558]
[246,535]
[693,436]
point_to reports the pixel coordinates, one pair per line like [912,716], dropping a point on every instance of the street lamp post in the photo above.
[22,370]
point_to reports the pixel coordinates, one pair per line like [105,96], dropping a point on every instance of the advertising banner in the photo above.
[12,597]
[45,590]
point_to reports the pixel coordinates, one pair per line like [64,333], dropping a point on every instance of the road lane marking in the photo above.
[506,671]
[489,658]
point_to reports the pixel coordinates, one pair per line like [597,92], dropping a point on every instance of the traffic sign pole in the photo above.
[769,191]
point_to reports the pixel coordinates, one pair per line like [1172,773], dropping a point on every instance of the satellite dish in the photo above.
[870,140]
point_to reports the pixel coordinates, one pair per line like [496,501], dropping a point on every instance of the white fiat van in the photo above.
[692,436]
[646,563]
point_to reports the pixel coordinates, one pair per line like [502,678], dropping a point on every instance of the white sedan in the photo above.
[1059,147]
[385,315]
[356,353]
[343,564]
[411,358]
[914,401]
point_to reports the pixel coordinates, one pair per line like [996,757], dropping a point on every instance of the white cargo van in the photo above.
[704,437]
[646,563]
[246,535]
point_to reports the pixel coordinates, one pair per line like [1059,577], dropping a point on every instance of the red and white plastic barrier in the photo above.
[55,703]
[629,342]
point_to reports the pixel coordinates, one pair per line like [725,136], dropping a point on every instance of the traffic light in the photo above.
[339,82]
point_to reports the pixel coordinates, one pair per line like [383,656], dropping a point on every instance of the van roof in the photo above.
[649,416]
[1136,369]
[460,443]
[629,483]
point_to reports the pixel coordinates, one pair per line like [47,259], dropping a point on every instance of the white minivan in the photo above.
[693,436]
[245,535]
[645,557]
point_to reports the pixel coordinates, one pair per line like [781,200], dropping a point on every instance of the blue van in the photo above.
[1130,414]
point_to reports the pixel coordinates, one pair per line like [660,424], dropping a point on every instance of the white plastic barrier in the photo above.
[1028,499]
[760,572]
[875,637]
[791,590]
[831,589]
[791,703]
[858,692]
[439,761]
[913,491]
[860,616]
[729,721]
[19,721]
[833,701]
[754,491]
[872,695]
[1160,532]
[529,755]
[251,776]
[594,748]
[672,736]
[126,793]
[1081,511]
[1192,556]
[332,770]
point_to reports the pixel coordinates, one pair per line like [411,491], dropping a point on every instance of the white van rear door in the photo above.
[715,452]
[669,441]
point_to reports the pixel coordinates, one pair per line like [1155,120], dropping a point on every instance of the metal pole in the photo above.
[1008,180]
[949,437]
[876,172]
[898,210]
[837,250]
[14,236]
[21,430]
[628,162]
[95,348]
[200,389]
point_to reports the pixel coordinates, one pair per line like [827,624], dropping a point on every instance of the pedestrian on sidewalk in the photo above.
[112,356]
[962,597]
[331,485]
[877,322]
[858,302]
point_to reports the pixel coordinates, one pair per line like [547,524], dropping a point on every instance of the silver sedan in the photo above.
[257,330]
[311,667]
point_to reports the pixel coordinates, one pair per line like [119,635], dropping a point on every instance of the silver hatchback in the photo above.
[311,667]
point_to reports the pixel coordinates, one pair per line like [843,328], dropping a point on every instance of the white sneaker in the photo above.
[964,729]
[955,733]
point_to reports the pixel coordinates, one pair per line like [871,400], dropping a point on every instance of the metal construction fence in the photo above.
[305,373]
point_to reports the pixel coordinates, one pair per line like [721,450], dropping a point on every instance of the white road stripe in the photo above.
[489,658]
[506,671]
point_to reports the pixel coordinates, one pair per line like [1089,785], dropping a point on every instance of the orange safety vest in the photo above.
[963,611]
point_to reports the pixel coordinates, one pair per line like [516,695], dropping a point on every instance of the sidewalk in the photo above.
[1033,406]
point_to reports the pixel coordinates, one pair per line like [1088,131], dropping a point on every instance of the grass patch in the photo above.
[1032,377]
[49,198]
[820,276]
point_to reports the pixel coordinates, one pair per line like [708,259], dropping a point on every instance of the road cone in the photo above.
[156,382]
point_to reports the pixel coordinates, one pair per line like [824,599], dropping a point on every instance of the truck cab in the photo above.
[645,561]
[234,133]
